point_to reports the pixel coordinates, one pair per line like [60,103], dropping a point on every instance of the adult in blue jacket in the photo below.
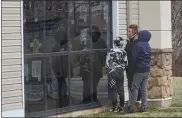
[141,58]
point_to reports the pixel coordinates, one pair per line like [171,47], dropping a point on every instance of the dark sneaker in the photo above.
[126,109]
[131,110]
[142,109]
[121,110]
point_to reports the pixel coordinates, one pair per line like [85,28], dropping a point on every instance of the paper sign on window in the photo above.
[36,69]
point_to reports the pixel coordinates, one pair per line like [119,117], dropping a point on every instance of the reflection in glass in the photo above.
[82,90]
[59,67]
[99,18]
[51,87]
[96,18]
[34,68]
[79,25]
[85,72]
[61,41]
[59,72]
[99,78]
[55,24]
[97,41]
[48,26]
[33,30]
[34,85]
[80,79]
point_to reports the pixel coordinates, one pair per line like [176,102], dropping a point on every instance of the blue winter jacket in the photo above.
[141,56]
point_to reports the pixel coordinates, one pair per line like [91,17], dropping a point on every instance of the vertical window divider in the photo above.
[68,47]
[90,54]
[44,60]
[108,27]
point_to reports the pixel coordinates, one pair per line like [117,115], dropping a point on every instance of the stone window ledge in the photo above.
[166,50]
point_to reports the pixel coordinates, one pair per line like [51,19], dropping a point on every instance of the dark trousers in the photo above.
[62,88]
[88,89]
[130,81]
[116,87]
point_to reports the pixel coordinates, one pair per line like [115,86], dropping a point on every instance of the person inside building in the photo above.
[97,64]
[116,63]
[133,36]
[60,66]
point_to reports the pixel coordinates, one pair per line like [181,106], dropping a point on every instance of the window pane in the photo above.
[100,82]
[33,26]
[80,79]
[79,25]
[100,24]
[56,26]
[34,85]
[57,87]
[62,30]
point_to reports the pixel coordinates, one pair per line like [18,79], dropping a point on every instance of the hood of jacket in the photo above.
[144,36]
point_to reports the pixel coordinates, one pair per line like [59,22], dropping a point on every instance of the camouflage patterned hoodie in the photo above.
[117,58]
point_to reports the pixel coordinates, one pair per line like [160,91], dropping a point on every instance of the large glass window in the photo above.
[65,45]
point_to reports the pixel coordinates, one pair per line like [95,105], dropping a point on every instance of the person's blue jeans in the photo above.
[140,80]
[130,80]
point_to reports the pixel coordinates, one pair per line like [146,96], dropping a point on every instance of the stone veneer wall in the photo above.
[160,82]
